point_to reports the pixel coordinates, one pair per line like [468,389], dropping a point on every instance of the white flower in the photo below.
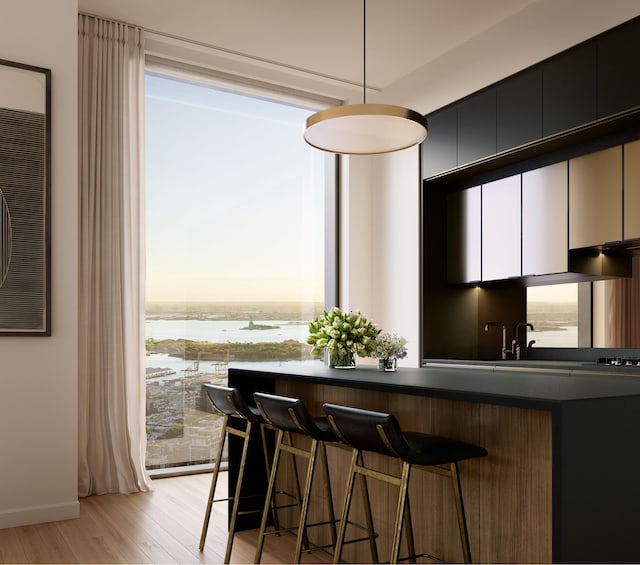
[389,345]
[336,330]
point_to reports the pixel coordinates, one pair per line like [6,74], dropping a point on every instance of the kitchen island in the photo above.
[560,483]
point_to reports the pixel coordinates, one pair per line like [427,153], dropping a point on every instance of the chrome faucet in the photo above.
[504,335]
[515,344]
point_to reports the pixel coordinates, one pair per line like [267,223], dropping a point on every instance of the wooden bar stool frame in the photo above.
[237,410]
[379,432]
[403,511]
[299,422]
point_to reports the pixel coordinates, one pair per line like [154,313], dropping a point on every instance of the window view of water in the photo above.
[553,311]
[234,250]
[183,353]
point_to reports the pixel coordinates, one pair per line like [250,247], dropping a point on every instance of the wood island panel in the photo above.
[507,494]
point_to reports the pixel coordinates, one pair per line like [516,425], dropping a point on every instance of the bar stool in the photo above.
[379,432]
[290,416]
[229,402]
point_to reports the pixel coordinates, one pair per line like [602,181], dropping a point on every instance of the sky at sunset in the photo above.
[234,197]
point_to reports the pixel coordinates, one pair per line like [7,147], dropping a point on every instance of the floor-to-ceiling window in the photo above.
[235,250]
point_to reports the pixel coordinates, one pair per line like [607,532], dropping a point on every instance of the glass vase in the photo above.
[342,359]
[387,363]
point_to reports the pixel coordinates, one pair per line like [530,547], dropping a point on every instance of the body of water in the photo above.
[568,337]
[222,331]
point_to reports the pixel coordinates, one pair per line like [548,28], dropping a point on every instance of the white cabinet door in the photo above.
[501,229]
[545,218]
[464,236]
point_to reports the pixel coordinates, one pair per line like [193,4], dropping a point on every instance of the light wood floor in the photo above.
[162,526]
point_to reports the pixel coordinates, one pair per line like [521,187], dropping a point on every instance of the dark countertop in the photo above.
[575,367]
[545,389]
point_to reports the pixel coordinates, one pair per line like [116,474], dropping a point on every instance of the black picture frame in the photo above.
[25,200]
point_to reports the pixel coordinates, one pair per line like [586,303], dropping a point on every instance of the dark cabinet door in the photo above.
[618,72]
[569,90]
[439,150]
[519,109]
[477,127]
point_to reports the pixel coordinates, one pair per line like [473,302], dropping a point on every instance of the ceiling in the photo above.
[321,37]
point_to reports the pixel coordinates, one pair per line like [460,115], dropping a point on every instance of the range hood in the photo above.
[592,264]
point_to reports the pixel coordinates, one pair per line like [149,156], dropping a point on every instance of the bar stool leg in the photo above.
[304,511]
[462,522]
[296,485]
[269,495]
[327,493]
[214,480]
[236,496]
[366,501]
[408,526]
[267,463]
[337,553]
[402,504]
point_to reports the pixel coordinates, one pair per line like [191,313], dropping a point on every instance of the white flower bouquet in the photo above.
[342,332]
[388,345]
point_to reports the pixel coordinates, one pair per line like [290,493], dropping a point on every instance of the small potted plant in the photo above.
[388,348]
[344,335]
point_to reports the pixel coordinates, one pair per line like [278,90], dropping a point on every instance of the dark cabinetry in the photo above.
[618,76]
[595,80]
[442,154]
[519,109]
[569,90]
[477,126]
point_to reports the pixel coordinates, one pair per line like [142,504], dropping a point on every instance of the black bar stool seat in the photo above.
[379,432]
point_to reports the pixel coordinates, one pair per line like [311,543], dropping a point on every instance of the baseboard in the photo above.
[39,514]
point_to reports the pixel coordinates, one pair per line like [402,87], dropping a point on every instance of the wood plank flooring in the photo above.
[162,526]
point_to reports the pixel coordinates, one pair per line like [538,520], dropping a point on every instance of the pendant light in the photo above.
[365,129]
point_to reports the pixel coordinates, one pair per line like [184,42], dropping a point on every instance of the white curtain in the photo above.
[111,392]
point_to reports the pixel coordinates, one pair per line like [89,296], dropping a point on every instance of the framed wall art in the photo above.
[25,194]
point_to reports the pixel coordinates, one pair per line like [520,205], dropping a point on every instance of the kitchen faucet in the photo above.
[504,335]
[515,344]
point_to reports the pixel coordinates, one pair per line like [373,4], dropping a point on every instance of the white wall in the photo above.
[38,375]
[380,243]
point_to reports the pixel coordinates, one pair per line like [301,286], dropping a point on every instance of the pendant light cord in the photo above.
[364,51]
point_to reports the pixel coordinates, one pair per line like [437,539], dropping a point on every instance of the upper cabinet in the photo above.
[631,173]
[569,90]
[618,76]
[477,126]
[501,229]
[595,198]
[442,154]
[464,236]
[545,220]
[594,80]
[519,109]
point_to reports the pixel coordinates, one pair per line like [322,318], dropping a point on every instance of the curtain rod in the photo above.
[236,53]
